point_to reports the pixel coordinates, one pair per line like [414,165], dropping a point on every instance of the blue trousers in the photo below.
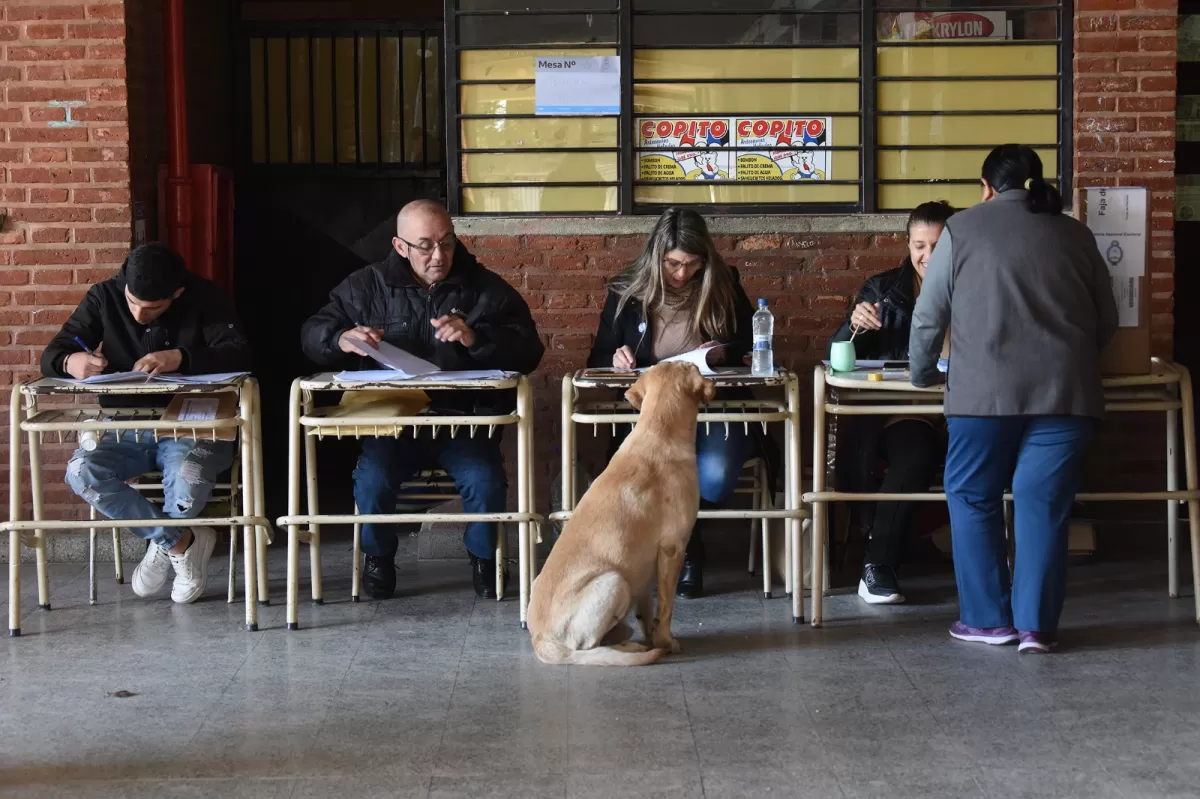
[719,459]
[1039,456]
[189,471]
[475,465]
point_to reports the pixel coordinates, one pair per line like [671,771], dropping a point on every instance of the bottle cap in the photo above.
[762,303]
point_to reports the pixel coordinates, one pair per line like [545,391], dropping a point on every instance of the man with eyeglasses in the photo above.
[431,298]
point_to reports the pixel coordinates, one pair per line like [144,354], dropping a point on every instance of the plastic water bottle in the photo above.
[763,361]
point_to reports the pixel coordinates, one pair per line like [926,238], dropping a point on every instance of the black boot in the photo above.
[379,576]
[483,573]
[691,576]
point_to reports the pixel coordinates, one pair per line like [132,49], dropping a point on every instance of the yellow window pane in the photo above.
[811,192]
[745,63]
[277,100]
[539,167]
[512,64]
[323,99]
[433,100]
[497,98]
[392,109]
[535,199]
[932,60]
[968,95]
[258,111]
[987,130]
[906,197]
[344,99]
[690,98]
[504,134]
[301,125]
[414,94]
[368,99]
[944,164]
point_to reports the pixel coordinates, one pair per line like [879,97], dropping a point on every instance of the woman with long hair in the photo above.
[1029,303]
[911,446]
[676,296]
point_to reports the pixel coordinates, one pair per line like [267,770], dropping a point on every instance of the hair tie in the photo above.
[1028,184]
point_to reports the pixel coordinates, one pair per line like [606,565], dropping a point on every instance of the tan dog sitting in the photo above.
[627,534]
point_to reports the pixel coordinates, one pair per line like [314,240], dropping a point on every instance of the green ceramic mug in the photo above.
[841,356]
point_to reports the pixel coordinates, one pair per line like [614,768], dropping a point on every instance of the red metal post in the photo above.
[179,181]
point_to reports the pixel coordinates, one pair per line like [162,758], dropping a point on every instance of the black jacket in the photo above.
[387,296]
[893,290]
[200,323]
[632,330]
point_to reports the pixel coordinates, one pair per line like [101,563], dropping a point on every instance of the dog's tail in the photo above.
[628,654]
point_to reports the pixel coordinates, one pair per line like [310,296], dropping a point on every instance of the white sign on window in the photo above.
[577,85]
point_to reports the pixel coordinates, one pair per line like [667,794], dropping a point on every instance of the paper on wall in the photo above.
[1117,218]
[577,85]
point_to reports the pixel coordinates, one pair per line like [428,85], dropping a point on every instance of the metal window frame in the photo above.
[869,46]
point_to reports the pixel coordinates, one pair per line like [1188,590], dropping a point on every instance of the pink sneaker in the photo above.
[996,636]
[1033,643]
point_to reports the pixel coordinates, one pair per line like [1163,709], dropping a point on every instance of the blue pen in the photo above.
[86,348]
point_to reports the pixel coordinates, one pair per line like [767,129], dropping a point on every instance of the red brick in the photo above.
[46,154]
[13,277]
[34,257]
[106,52]
[10,73]
[1158,83]
[1097,24]
[101,235]
[36,135]
[110,134]
[113,214]
[10,114]
[13,237]
[44,73]
[1106,44]
[1090,124]
[1159,163]
[581,281]
[49,297]
[1156,123]
[1095,143]
[47,53]
[1148,22]
[9,33]
[1095,103]
[107,94]
[12,194]
[96,71]
[572,243]
[872,263]
[1103,5]
[99,30]
[1146,63]
[47,114]
[1159,5]
[50,175]
[35,338]
[768,243]
[49,195]
[110,175]
[50,316]
[106,11]
[87,155]
[830,262]
[39,10]
[101,113]
[14,317]
[11,155]
[563,260]
[52,235]
[52,214]
[1157,44]
[94,275]
[106,195]
[1146,144]
[1093,64]
[112,256]
[44,94]
[1139,103]
[44,31]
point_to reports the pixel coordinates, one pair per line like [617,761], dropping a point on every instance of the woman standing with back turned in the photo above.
[1028,300]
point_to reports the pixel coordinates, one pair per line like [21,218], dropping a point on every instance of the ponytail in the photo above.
[1016,166]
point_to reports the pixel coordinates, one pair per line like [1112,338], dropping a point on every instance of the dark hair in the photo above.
[154,272]
[1015,166]
[931,213]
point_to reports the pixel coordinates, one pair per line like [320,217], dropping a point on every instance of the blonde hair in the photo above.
[709,304]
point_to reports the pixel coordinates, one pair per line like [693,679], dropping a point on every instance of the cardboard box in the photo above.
[1129,351]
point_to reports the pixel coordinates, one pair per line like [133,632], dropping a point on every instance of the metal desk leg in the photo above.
[35,485]
[14,511]
[249,545]
[820,509]
[92,558]
[293,562]
[1172,505]
[524,450]
[314,530]
[1193,482]
[793,526]
[260,503]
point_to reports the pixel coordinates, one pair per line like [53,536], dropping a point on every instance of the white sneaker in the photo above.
[151,574]
[191,568]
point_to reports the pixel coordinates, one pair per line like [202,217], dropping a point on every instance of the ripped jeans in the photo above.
[189,471]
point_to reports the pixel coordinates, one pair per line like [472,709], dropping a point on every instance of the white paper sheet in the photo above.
[198,409]
[407,364]
[112,377]
[1117,218]
[463,376]
[697,357]
[371,376]
[191,380]
[577,85]
[1125,292]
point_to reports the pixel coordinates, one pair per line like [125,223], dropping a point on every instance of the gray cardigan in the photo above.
[1029,303]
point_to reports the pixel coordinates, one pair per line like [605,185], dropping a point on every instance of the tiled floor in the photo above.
[435,695]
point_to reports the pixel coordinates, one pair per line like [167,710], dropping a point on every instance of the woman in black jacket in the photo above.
[675,297]
[911,445]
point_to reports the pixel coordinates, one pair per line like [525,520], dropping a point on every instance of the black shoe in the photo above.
[879,586]
[379,576]
[483,572]
[691,581]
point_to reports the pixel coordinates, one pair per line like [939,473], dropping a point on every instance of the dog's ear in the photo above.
[635,395]
[706,390]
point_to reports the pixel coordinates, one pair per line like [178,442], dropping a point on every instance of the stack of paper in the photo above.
[145,377]
[397,359]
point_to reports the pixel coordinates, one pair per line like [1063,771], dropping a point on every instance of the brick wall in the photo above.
[64,176]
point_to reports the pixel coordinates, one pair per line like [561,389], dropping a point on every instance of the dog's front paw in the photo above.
[666,642]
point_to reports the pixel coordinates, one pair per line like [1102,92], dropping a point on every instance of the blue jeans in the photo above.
[719,459]
[189,470]
[1039,456]
[475,465]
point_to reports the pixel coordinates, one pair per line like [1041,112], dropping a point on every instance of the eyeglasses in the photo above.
[675,266]
[445,245]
